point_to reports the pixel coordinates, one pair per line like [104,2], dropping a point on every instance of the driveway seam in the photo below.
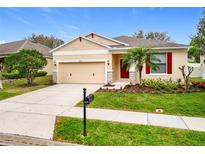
[32,113]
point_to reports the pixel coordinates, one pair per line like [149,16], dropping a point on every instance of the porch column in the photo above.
[54,77]
[109,76]
[132,74]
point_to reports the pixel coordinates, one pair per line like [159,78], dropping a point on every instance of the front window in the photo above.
[161,61]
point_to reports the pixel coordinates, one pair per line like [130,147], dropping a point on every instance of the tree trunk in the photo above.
[140,77]
[187,83]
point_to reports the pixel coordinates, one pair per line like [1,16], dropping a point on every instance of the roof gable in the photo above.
[105,40]
[13,47]
[81,43]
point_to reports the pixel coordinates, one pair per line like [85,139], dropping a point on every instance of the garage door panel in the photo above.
[90,72]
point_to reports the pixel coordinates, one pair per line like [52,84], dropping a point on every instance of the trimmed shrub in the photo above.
[41,73]
[159,84]
[12,75]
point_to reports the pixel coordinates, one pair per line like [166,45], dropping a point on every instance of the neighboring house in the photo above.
[14,47]
[202,62]
[98,59]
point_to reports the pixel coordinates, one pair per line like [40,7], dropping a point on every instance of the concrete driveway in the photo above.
[34,113]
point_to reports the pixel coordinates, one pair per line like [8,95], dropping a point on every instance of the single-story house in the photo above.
[98,59]
[14,47]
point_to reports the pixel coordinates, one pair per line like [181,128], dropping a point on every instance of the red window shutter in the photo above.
[169,63]
[147,69]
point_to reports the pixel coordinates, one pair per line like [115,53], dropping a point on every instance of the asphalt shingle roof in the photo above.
[13,47]
[140,42]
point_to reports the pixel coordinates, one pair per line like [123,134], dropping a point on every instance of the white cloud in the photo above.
[72,27]
[49,10]
[19,18]
[2,41]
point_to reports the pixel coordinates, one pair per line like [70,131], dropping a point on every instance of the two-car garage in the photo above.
[81,72]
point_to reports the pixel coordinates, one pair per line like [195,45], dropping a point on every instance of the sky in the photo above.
[67,23]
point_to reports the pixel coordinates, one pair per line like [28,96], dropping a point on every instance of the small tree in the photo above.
[158,36]
[27,62]
[194,51]
[139,57]
[186,75]
[49,41]
[199,38]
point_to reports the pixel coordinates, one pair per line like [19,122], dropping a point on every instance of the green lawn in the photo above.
[113,133]
[197,79]
[17,87]
[190,104]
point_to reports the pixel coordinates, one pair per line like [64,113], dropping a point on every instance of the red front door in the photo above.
[124,73]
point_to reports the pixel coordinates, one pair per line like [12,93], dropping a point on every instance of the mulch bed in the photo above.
[142,89]
[109,85]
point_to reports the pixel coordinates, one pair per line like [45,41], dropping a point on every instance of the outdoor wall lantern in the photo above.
[108,62]
[54,63]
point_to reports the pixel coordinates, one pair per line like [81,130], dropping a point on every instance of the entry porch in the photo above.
[120,73]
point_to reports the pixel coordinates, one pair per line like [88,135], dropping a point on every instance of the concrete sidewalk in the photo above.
[182,122]
[34,113]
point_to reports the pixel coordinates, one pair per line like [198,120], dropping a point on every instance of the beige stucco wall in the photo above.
[116,66]
[49,67]
[96,57]
[84,72]
[179,58]
[80,45]
[102,40]
[82,50]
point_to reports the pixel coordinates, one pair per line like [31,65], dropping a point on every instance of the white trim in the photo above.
[110,70]
[108,38]
[96,42]
[182,47]
[81,60]
[76,39]
[155,48]
[57,71]
[132,68]
[81,52]
[166,63]
[156,74]
[63,44]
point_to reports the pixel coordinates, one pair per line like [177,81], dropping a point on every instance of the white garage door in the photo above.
[82,72]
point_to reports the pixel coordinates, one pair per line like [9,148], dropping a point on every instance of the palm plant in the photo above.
[139,57]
